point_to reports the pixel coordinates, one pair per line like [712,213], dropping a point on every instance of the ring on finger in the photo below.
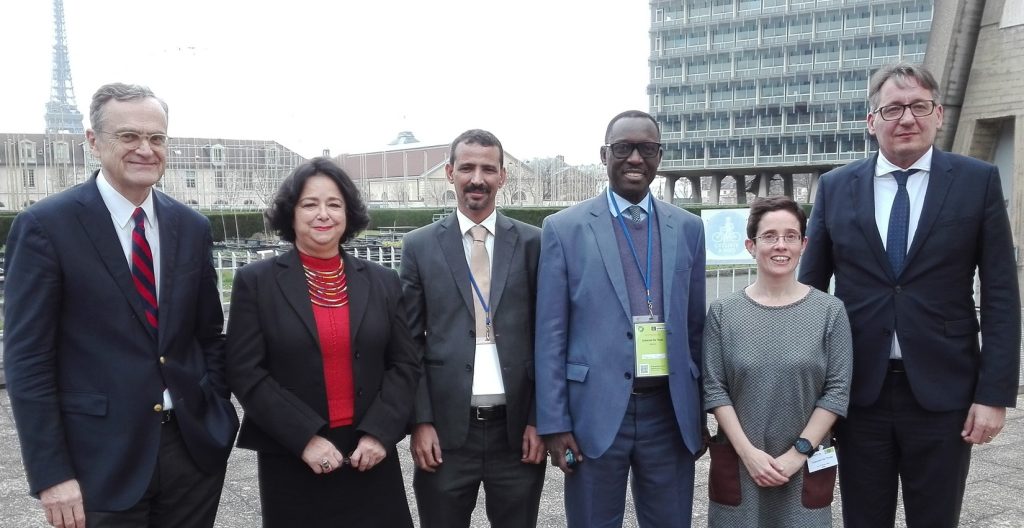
[325,464]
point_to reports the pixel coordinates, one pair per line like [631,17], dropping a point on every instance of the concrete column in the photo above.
[812,188]
[764,180]
[787,184]
[715,192]
[741,188]
[695,190]
[670,188]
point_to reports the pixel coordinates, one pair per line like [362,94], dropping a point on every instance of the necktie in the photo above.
[480,267]
[899,222]
[636,213]
[142,267]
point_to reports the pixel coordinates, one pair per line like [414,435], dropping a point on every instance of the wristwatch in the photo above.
[803,446]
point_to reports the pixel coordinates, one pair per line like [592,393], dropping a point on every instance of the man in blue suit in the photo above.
[903,232]
[620,320]
[113,342]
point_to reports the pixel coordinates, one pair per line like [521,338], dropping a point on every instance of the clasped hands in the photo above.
[323,457]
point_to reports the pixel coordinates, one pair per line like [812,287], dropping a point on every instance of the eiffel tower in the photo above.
[62,115]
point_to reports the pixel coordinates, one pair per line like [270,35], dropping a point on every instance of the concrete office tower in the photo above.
[760,90]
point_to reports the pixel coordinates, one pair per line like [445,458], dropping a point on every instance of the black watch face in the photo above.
[803,446]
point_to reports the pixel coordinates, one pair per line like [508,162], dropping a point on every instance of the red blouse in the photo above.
[328,292]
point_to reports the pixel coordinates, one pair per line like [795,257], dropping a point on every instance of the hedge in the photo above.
[250,224]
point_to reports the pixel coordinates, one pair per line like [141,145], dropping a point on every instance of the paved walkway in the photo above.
[995,492]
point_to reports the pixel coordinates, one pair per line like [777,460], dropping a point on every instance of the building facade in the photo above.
[206,173]
[760,90]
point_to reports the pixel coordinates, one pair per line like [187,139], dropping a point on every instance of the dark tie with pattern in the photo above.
[636,213]
[899,222]
[142,267]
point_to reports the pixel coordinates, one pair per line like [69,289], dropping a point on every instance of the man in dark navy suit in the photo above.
[903,233]
[114,343]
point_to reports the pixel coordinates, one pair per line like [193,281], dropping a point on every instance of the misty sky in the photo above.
[544,76]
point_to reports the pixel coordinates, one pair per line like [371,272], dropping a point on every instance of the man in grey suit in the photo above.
[620,321]
[470,287]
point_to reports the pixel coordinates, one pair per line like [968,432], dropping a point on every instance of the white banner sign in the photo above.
[725,230]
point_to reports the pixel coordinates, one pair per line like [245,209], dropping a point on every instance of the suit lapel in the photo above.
[292,282]
[168,220]
[358,293]
[95,219]
[862,189]
[668,230]
[940,178]
[608,248]
[450,240]
[505,240]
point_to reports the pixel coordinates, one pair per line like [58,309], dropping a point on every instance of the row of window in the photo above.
[698,43]
[765,117]
[833,50]
[27,153]
[703,10]
[852,85]
[746,148]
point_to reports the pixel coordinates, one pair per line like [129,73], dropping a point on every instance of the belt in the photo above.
[166,417]
[486,413]
[649,389]
[896,365]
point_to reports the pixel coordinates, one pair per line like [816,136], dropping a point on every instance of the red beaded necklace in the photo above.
[327,288]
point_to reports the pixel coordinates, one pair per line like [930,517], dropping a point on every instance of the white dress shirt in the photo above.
[121,210]
[487,367]
[885,192]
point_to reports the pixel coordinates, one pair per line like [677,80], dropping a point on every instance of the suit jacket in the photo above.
[963,226]
[275,366]
[439,296]
[585,356]
[84,370]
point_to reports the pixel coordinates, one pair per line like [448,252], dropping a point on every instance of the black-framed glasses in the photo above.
[773,238]
[895,112]
[132,139]
[623,149]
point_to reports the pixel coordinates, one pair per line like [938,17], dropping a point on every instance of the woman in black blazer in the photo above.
[322,362]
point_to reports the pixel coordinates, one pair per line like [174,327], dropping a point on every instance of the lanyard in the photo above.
[632,249]
[483,304]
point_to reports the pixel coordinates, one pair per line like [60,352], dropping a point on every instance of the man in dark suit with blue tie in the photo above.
[113,338]
[903,233]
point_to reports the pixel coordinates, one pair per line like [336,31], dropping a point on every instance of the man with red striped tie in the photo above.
[113,340]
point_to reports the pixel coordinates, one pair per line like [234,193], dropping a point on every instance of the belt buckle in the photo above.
[485,408]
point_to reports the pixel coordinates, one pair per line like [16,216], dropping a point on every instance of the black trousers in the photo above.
[446,498]
[180,495]
[894,441]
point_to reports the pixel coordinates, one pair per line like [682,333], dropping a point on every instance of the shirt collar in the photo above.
[884,167]
[624,203]
[465,223]
[120,208]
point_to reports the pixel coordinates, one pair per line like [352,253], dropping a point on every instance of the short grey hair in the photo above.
[899,72]
[118,92]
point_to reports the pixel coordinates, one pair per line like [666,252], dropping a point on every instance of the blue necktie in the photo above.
[899,222]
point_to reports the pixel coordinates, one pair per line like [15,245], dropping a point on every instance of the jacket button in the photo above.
[158,408]
[899,289]
[627,375]
[357,355]
[472,333]
[163,360]
[629,335]
[469,368]
[359,392]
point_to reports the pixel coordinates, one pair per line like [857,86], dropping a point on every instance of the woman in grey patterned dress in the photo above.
[777,367]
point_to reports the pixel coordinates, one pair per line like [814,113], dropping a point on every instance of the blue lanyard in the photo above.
[483,304]
[646,277]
